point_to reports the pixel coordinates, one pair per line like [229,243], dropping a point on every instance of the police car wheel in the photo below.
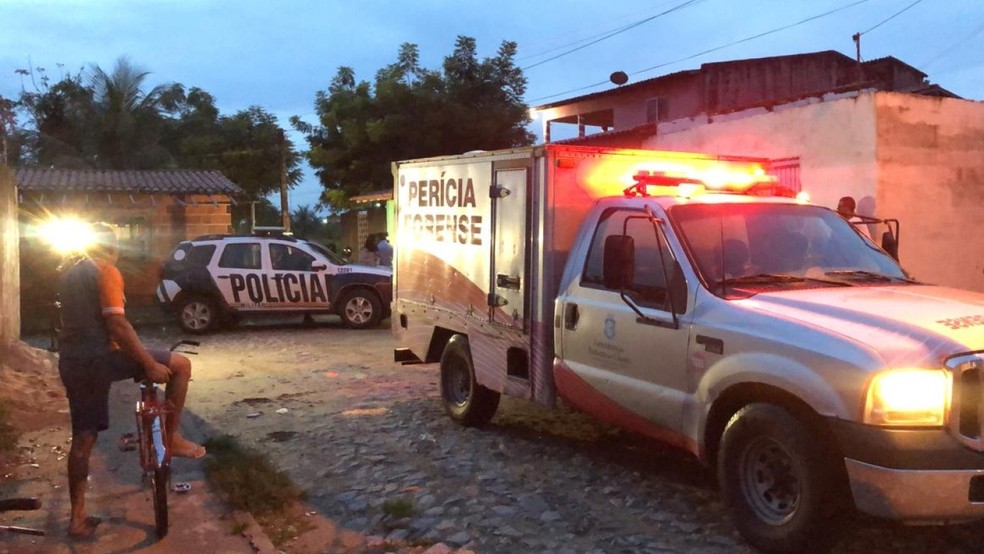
[465,401]
[360,309]
[780,481]
[198,314]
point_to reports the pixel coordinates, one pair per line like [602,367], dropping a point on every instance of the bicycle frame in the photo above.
[152,414]
[155,450]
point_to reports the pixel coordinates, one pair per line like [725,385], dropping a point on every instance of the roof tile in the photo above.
[180,181]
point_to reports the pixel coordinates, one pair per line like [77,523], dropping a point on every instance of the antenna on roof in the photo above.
[619,78]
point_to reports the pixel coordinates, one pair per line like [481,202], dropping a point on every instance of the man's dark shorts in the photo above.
[87,382]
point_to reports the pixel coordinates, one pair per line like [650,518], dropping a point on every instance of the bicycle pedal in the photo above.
[127,442]
[181,487]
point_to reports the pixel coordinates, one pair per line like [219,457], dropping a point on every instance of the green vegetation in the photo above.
[8,433]
[398,507]
[411,112]
[113,120]
[247,479]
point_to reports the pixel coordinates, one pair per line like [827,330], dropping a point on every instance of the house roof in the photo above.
[80,181]
[378,196]
[833,55]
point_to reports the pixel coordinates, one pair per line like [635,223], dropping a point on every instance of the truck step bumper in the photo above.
[917,496]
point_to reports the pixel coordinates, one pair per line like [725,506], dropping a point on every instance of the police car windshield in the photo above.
[324,251]
[729,241]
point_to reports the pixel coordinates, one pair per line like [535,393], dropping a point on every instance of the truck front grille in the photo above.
[968,395]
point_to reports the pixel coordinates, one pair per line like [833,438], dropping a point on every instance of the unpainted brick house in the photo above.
[151,210]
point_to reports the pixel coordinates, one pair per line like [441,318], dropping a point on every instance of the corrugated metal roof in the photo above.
[74,181]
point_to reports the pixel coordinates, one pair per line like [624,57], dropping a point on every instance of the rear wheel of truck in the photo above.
[780,481]
[467,402]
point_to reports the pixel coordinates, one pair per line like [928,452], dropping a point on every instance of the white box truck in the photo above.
[662,292]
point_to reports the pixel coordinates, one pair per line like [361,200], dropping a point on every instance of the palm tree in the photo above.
[130,120]
[305,222]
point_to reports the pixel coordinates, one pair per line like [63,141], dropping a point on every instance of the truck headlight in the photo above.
[908,397]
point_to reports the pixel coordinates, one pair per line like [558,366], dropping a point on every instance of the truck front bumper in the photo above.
[912,475]
[917,495]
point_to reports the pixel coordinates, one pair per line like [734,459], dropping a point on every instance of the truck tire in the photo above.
[360,309]
[198,314]
[783,486]
[465,401]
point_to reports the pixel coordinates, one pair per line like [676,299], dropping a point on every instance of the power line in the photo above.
[715,49]
[569,33]
[947,50]
[890,18]
[615,32]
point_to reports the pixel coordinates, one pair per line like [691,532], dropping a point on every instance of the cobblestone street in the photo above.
[356,430]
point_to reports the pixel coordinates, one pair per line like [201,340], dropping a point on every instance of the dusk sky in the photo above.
[278,54]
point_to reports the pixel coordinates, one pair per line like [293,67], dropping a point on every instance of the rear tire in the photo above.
[198,314]
[782,483]
[360,309]
[465,401]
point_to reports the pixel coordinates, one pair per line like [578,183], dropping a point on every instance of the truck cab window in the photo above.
[649,278]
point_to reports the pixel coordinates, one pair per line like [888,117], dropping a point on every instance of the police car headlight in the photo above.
[908,397]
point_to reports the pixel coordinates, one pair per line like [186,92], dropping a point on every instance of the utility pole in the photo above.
[284,208]
[857,49]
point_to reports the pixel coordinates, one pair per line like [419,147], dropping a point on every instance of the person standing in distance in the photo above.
[385,251]
[97,346]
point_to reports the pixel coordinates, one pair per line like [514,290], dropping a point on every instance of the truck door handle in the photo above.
[507,281]
[223,276]
[571,315]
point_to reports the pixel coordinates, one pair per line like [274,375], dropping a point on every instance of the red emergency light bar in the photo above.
[645,179]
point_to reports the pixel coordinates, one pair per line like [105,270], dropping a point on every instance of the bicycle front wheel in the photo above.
[158,484]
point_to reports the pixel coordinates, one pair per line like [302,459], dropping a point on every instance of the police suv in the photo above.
[218,278]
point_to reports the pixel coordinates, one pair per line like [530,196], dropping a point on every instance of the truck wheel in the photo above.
[360,309]
[782,485]
[198,314]
[467,402]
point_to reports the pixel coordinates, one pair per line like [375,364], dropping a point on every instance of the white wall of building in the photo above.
[914,158]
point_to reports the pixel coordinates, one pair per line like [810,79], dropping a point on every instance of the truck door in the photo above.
[508,264]
[638,363]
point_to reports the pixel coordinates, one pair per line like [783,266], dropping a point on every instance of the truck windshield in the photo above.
[758,246]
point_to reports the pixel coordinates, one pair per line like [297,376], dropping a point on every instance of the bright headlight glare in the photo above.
[67,235]
[908,397]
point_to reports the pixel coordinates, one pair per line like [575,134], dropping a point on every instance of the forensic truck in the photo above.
[677,296]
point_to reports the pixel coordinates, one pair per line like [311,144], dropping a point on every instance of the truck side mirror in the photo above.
[890,244]
[619,268]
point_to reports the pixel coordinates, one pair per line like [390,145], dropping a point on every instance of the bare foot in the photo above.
[184,448]
[85,529]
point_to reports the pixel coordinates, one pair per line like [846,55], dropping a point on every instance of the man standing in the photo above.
[385,251]
[846,207]
[97,346]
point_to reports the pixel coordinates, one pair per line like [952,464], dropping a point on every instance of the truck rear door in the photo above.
[507,290]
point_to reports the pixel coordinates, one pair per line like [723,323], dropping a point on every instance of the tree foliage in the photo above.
[111,120]
[411,112]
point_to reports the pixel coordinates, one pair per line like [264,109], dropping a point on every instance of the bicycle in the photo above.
[20,504]
[152,435]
